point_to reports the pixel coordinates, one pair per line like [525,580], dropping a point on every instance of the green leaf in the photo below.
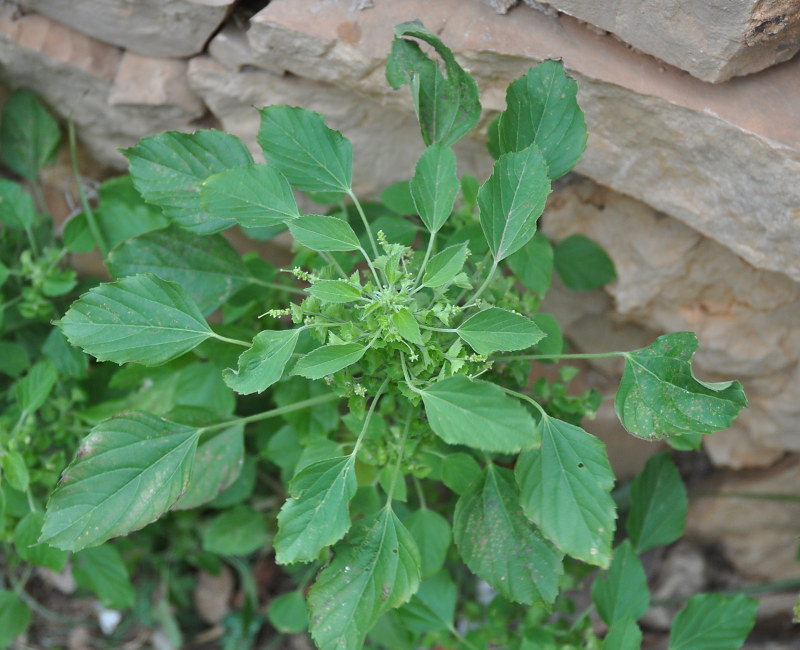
[218,462]
[447,109]
[582,264]
[16,206]
[337,291]
[317,514]
[32,390]
[512,200]
[328,360]
[313,157]
[659,396]
[139,318]
[433,607]
[288,613]
[397,197]
[478,414]
[541,108]
[29,135]
[659,504]
[621,592]
[553,343]
[102,571]
[262,364]
[565,489]
[459,471]
[500,545]
[435,186]
[208,268]
[407,326]
[200,385]
[324,233]
[168,170]
[128,471]
[713,622]
[15,470]
[623,635]
[238,531]
[432,534]
[444,266]
[14,617]
[533,264]
[375,571]
[26,535]
[15,359]
[254,195]
[496,329]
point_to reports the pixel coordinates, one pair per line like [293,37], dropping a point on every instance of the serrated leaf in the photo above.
[128,471]
[433,607]
[263,363]
[623,635]
[317,515]
[139,318]
[29,135]
[533,264]
[433,536]
[713,622]
[14,617]
[582,264]
[102,571]
[324,233]
[621,591]
[512,200]
[17,210]
[32,390]
[496,329]
[444,266]
[478,414]
[373,572]
[313,157]
[500,545]
[337,291]
[659,396]
[256,196]
[541,108]
[208,268]
[659,504]
[407,326]
[447,109]
[570,474]
[26,536]
[435,186]
[237,531]
[328,360]
[168,170]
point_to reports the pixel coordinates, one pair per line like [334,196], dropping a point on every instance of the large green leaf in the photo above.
[541,108]
[478,414]
[623,635]
[208,268]
[435,186]
[582,264]
[659,504]
[102,571]
[565,489]
[313,157]
[376,570]
[128,471]
[444,266]
[621,592]
[32,390]
[236,531]
[328,360]
[500,545]
[168,170]
[17,210]
[433,607]
[29,135]
[447,108]
[324,233]
[337,291]
[139,318]
[255,195]
[713,622]
[14,617]
[317,515]
[512,200]
[496,329]
[533,264]
[659,396]
[433,536]
[262,364]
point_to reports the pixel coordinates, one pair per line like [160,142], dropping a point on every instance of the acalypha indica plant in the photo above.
[391,390]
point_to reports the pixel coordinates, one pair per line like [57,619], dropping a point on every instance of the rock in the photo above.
[212,594]
[654,132]
[158,28]
[711,41]
[231,48]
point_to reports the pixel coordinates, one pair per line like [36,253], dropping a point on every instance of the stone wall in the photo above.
[692,186]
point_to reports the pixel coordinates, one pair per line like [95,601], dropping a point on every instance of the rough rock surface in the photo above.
[159,28]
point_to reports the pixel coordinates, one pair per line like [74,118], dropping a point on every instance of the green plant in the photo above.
[442,459]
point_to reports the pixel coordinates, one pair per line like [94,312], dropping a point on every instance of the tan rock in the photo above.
[159,28]
[212,594]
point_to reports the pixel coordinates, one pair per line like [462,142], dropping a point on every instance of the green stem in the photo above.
[279,287]
[425,260]
[532,357]
[364,221]
[781,585]
[371,268]
[525,397]
[485,284]
[368,417]
[446,330]
[94,227]
[225,339]
[759,496]
[406,375]
[462,639]
[8,303]
[32,241]
[400,454]
[330,259]
[420,493]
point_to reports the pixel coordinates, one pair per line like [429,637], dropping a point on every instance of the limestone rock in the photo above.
[158,28]
[713,41]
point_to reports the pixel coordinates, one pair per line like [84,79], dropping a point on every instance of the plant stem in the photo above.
[525,397]
[400,453]
[368,417]
[364,221]
[225,339]
[420,493]
[330,259]
[781,585]
[406,375]
[532,357]
[94,227]
[760,496]
[279,287]
[485,284]
[425,260]
[371,268]
[32,241]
